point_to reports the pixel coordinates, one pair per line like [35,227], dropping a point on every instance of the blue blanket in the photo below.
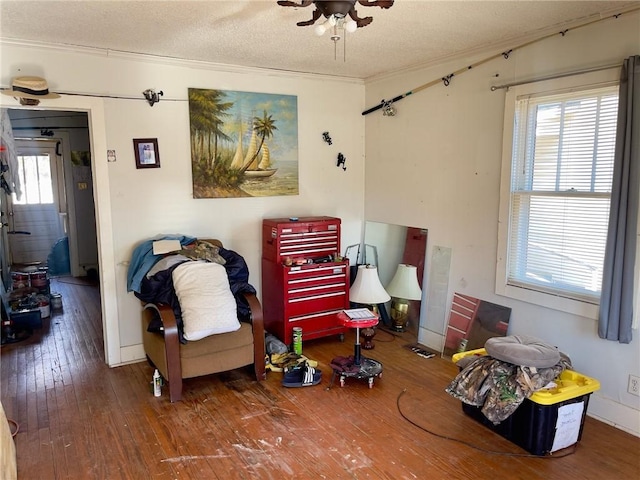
[143,259]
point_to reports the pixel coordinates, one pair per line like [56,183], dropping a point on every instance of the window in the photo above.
[556,206]
[35,177]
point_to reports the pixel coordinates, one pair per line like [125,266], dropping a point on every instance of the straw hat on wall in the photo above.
[31,88]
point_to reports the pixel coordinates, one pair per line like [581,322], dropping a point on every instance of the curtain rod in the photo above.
[560,75]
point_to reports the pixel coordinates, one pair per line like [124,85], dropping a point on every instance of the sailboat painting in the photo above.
[243,144]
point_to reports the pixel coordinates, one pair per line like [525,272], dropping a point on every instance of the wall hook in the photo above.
[152,96]
[341,161]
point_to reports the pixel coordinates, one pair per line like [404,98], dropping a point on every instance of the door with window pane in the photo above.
[35,217]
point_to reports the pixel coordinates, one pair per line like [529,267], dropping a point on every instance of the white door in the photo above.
[35,218]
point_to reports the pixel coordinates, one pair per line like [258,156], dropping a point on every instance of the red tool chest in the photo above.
[301,284]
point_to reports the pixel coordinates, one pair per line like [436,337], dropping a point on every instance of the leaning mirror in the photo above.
[399,252]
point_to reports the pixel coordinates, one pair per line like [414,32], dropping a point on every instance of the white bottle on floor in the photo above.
[157,384]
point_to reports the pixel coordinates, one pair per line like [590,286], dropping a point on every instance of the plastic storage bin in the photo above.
[549,420]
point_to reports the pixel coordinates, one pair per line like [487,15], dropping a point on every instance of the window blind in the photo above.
[562,170]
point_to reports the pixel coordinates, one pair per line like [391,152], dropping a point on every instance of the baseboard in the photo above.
[435,341]
[613,413]
[131,354]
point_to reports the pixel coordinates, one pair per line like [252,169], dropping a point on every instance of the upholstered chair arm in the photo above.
[172,348]
[257,322]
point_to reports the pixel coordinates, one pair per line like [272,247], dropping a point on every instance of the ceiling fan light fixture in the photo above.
[341,16]
[323,27]
[350,26]
[337,11]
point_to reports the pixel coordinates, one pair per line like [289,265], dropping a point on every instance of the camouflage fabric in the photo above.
[499,387]
[203,251]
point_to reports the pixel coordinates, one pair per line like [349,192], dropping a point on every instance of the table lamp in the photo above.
[403,287]
[367,290]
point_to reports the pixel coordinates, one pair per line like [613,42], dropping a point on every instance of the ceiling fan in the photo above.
[338,9]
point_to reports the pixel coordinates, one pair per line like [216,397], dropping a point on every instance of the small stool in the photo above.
[361,367]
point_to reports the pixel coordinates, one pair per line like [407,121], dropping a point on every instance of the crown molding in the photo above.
[173,61]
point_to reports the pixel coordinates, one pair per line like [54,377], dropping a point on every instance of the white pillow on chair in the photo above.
[207,304]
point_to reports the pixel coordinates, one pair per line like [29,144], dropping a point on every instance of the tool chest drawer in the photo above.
[305,238]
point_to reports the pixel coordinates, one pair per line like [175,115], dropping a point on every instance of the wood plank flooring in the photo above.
[80,419]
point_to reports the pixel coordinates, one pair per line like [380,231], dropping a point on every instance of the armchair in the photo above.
[212,354]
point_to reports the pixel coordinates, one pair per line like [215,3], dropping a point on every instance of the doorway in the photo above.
[51,218]
[94,108]
[67,212]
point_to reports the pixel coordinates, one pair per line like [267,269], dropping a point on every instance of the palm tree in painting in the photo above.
[206,112]
[264,128]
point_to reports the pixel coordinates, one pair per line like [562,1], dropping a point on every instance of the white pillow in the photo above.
[207,304]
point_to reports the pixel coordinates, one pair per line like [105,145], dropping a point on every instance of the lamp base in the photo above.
[399,315]
[367,338]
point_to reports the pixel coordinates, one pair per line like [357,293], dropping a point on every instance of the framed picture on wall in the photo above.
[243,144]
[146,151]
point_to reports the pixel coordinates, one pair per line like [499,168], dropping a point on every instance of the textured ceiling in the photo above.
[263,34]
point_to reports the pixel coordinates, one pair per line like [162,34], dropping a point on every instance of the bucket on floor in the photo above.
[43,305]
[19,280]
[40,281]
[56,301]
[45,309]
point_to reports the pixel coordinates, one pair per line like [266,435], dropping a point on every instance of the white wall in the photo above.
[436,165]
[135,204]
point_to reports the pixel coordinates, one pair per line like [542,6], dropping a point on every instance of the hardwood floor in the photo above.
[79,419]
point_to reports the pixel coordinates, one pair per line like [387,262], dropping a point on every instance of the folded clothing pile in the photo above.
[283,362]
[513,369]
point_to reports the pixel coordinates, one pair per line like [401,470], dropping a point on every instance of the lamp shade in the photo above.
[366,288]
[405,283]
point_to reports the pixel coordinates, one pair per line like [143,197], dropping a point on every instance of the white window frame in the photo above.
[547,87]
